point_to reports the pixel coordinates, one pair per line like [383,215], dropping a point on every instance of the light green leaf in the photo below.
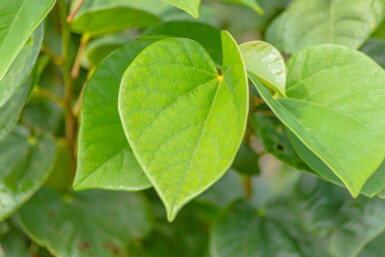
[106,16]
[266,63]
[183,120]
[275,141]
[310,22]
[335,107]
[190,6]
[208,36]
[25,162]
[92,223]
[105,158]
[253,4]
[374,186]
[21,66]
[18,20]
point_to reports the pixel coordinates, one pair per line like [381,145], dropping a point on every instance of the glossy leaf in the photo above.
[26,162]
[21,66]
[190,6]
[105,223]
[208,36]
[266,63]
[374,185]
[172,93]
[275,141]
[331,213]
[105,157]
[18,20]
[253,4]
[105,16]
[335,107]
[310,22]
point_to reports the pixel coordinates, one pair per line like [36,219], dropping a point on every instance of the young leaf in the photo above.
[335,107]
[310,22]
[105,158]
[190,6]
[253,4]
[105,16]
[183,120]
[18,20]
[21,66]
[266,63]
[26,162]
[92,223]
[209,37]
[374,186]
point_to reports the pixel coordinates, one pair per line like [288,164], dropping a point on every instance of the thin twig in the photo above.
[54,57]
[82,48]
[72,15]
[48,94]
[248,187]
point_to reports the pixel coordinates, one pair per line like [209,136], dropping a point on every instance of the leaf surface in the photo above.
[105,16]
[105,157]
[253,4]
[183,120]
[309,22]
[18,20]
[190,6]
[21,66]
[335,106]
[92,223]
[26,162]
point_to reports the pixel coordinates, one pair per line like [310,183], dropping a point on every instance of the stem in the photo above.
[55,58]
[72,15]
[248,187]
[82,48]
[48,94]
[70,120]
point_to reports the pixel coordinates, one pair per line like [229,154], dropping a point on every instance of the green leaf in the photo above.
[375,48]
[246,161]
[242,231]
[328,211]
[253,4]
[266,63]
[335,107]
[275,141]
[26,162]
[21,66]
[310,22]
[13,245]
[172,93]
[208,36]
[375,248]
[105,158]
[101,47]
[105,16]
[18,20]
[92,223]
[190,6]
[374,186]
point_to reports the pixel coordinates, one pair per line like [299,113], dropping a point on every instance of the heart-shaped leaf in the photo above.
[92,223]
[190,6]
[183,120]
[335,106]
[18,20]
[105,157]
[25,162]
[266,63]
[105,16]
[310,22]
[21,66]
